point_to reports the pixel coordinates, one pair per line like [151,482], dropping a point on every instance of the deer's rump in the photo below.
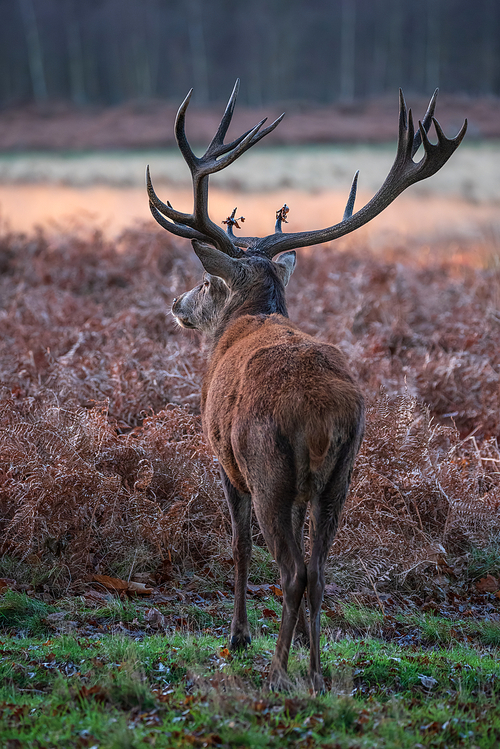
[277,390]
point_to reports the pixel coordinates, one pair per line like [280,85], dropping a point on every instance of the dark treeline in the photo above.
[109,51]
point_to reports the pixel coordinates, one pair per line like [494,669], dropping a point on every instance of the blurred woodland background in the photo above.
[333,64]
[105,52]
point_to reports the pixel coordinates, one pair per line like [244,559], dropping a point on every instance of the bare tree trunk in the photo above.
[433,52]
[75,53]
[377,74]
[348,50]
[143,49]
[152,41]
[395,55]
[489,47]
[197,46]
[35,57]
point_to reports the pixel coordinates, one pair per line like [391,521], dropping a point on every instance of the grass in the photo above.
[136,688]
[189,691]
[485,559]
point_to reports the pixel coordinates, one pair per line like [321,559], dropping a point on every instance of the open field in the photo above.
[149,125]
[106,190]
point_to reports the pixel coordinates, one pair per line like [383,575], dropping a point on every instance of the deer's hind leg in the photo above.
[274,510]
[324,519]
[240,508]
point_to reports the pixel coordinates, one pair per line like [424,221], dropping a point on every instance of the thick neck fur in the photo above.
[266,296]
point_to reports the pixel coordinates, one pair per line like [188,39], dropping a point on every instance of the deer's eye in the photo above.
[206,283]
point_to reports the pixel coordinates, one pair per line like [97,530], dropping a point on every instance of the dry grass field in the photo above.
[103,467]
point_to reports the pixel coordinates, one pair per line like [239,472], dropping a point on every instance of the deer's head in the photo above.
[253,284]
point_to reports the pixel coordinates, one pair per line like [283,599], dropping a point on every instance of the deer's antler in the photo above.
[404,172]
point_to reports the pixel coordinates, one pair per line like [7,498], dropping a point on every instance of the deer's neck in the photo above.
[264,299]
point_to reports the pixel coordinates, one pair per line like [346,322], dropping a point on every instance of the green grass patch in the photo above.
[183,690]
[19,611]
[403,680]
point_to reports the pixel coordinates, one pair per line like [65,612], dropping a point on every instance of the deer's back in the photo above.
[269,381]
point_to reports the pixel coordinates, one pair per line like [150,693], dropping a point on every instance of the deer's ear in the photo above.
[217,263]
[286,265]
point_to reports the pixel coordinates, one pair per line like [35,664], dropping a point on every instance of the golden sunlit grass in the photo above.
[414,222]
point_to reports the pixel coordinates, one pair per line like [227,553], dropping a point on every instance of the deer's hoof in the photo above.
[279,681]
[240,641]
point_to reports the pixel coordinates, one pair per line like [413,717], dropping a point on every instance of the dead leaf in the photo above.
[111,583]
[154,618]
[6,584]
[488,584]
[269,614]
[96,692]
[276,590]
[431,728]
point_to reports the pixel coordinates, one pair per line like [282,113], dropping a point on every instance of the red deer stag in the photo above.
[281,411]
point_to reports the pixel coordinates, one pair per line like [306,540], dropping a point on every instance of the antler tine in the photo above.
[352,197]
[218,139]
[217,146]
[165,208]
[224,148]
[183,224]
[406,131]
[426,122]
[437,154]
[267,129]
[232,151]
[217,165]
[456,140]
[180,230]
[180,134]
[404,172]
